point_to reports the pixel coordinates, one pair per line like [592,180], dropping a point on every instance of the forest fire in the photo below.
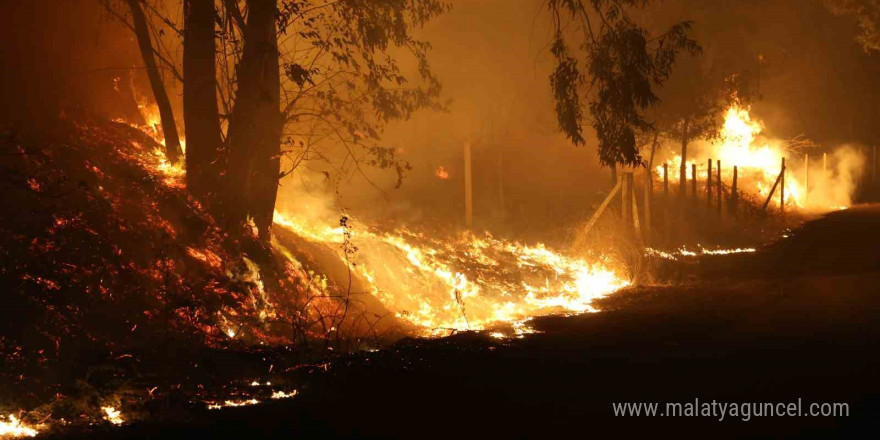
[359,218]
[13,427]
[759,159]
[469,282]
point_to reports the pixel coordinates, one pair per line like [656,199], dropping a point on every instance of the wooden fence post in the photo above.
[782,188]
[733,194]
[601,208]
[806,176]
[772,191]
[635,205]
[709,184]
[718,183]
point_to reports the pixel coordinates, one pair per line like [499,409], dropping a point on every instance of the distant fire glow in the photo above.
[441,173]
[742,143]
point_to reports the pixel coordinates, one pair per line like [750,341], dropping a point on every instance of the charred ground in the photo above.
[776,330]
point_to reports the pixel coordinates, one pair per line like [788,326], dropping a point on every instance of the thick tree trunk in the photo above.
[172,140]
[255,125]
[200,113]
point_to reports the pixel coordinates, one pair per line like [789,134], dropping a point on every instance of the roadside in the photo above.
[733,333]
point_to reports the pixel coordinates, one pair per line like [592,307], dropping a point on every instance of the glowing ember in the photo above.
[441,173]
[13,427]
[112,415]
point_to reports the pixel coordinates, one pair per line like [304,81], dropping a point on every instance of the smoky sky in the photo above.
[492,57]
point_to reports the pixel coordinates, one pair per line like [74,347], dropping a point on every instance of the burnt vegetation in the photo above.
[152,270]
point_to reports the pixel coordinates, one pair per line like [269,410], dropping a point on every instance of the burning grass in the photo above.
[109,266]
[465,282]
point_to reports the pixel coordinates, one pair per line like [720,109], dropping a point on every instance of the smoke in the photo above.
[832,187]
[817,179]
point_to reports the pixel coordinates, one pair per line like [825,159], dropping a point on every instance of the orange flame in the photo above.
[470,282]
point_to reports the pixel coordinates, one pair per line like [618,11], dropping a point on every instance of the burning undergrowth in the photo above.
[463,282]
[110,267]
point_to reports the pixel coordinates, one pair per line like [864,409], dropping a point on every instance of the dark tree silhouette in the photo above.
[204,139]
[297,81]
[169,127]
[618,70]
[255,125]
[867,14]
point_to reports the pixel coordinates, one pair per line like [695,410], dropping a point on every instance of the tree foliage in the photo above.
[616,71]
[867,14]
[343,81]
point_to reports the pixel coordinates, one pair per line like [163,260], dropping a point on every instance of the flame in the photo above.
[683,252]
[231,403]
[759,161]
[441,173]
[14,428]
[469,282]
[112,415]
[283,395]
[153,128]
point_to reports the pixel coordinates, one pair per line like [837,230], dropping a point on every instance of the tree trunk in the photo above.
[169,128]
[254,162]
[200,112]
